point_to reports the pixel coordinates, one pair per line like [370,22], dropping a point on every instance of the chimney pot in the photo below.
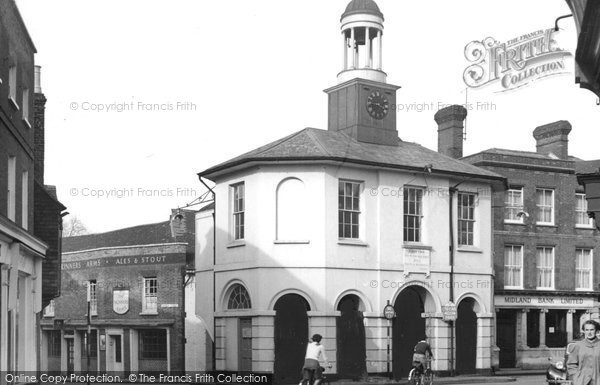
[450,122]
[553,138]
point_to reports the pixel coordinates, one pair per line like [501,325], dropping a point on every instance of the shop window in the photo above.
[153,344]
[533,328]
[577,323]
[556,328]
[54,343]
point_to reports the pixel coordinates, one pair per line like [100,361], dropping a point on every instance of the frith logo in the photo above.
[515,63]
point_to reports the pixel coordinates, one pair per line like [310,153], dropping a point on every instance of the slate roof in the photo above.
[149,234]
[587,167]
[530,154]
[311,144]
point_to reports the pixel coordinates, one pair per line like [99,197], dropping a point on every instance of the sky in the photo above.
[144,94]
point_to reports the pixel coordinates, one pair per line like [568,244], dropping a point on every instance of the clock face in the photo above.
[377,105]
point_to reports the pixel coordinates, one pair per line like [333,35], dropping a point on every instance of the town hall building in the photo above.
[319,231]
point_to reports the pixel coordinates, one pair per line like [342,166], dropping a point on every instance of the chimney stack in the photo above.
[37,81]
[39,108]
[553,138]
[450,122]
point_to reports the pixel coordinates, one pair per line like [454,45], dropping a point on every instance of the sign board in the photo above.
[102,341]
[120,301]
[247,333]
[539,301]
[416,260]
[449,311]
[389,312]
[169,305]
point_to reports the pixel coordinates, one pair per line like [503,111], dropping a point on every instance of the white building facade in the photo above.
[319,231]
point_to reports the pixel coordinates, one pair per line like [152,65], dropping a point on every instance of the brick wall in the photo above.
[48,225]
[72,304]
[531,173]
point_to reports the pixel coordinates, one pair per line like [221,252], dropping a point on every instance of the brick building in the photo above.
[546,247]
[30,214]
[135,279]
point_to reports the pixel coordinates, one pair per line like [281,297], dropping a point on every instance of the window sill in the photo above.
[469,249]
[416,245]
[545,288]
[584,290]
[351,242]
[238,243]
[584,227]
[149,313]
[27,124]
[13,102]
[544,224]
[300,242]
[509,222]
[513,287]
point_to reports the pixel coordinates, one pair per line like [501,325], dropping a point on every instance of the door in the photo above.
[351,348]
[506,322]
[466,337]
[291,338]
[70,355]
[245,345]
[408,328]
[114,353]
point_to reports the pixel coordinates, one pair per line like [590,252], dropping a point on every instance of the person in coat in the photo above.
[583,364]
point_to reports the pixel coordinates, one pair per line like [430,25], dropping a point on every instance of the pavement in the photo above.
[514,376]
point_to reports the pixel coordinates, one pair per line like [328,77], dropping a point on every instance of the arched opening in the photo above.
[291,337]
[466,337]
[408,328]
[351,348]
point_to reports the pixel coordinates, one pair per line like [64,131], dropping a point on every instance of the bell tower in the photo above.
[362,104]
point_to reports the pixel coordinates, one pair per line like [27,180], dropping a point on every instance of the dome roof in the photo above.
[362,7]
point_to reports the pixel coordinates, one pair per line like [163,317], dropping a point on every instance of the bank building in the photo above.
[317,232]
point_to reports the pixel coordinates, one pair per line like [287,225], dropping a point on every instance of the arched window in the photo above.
[239,298]
[292,211]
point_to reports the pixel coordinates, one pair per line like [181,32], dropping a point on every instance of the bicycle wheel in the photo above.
[413,377]
[428,378]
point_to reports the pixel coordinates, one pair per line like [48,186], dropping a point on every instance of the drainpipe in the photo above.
[214,215]
[452,190]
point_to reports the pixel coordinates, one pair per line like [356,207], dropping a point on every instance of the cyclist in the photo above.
[422,354]
[315,351]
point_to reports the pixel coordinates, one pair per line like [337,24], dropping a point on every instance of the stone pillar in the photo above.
[353,46]
[543,327]
[483,358]
[377,342]
[345,56]
[263,343]
[440,344]
[570,325]
[367,48]
[380,50]
[524,327]
[325,324]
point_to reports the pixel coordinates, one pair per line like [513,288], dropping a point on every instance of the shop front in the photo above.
[533,329]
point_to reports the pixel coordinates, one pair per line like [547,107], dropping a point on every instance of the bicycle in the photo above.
[417,376]
[314,381]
